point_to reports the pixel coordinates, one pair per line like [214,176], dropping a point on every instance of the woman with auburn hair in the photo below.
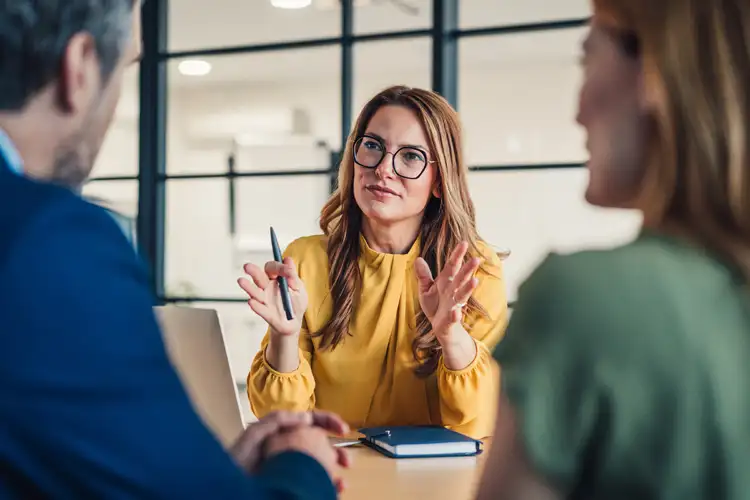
[374,337]
[625,371]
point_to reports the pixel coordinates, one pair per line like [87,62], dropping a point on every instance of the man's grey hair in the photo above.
[35,33]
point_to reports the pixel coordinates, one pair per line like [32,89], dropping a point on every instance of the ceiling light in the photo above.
[194,67]
[291,4]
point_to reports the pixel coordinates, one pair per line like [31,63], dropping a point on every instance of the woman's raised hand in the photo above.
[443,298]
[265,296]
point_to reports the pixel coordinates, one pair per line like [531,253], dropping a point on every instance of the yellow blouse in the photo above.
[369,378]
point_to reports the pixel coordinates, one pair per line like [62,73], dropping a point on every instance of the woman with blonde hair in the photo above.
[625,371]
[375,338]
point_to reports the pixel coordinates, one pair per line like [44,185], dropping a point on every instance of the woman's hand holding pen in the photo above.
[265,296]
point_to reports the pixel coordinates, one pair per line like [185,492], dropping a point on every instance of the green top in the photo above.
[628,370]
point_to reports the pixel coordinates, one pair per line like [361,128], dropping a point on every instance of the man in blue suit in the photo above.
[90,406]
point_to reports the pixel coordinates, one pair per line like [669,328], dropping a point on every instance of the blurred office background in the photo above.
[236,115]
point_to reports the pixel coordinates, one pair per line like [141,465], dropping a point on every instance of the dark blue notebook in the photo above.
[419,441]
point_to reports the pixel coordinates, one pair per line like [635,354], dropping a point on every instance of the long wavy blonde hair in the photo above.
[695,56]
[448,219]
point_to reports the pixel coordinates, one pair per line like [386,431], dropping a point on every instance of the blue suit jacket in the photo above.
[90,406]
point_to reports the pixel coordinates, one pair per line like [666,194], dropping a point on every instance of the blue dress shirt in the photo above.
[10,153]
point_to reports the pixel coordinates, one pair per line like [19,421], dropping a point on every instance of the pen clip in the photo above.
[385,433]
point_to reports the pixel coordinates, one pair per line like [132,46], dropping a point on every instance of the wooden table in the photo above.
[376,477]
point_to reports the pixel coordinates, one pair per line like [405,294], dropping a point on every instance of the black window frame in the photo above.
[152,177]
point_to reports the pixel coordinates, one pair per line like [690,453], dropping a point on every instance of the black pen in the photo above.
[286,299]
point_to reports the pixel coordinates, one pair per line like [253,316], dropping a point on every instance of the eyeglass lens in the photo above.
[407,162]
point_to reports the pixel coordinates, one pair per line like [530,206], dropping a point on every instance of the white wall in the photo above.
[523,113]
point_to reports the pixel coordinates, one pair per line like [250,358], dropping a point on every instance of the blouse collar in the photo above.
[374,257]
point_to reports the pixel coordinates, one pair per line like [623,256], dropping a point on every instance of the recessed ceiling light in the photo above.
[291,4]
[194,67]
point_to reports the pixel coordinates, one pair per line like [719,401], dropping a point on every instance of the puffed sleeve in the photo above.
[269,390]
[467,396]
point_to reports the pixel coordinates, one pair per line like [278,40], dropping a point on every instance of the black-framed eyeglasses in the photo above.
[408,162]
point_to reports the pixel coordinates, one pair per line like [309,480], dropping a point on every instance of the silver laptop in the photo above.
[195,345]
